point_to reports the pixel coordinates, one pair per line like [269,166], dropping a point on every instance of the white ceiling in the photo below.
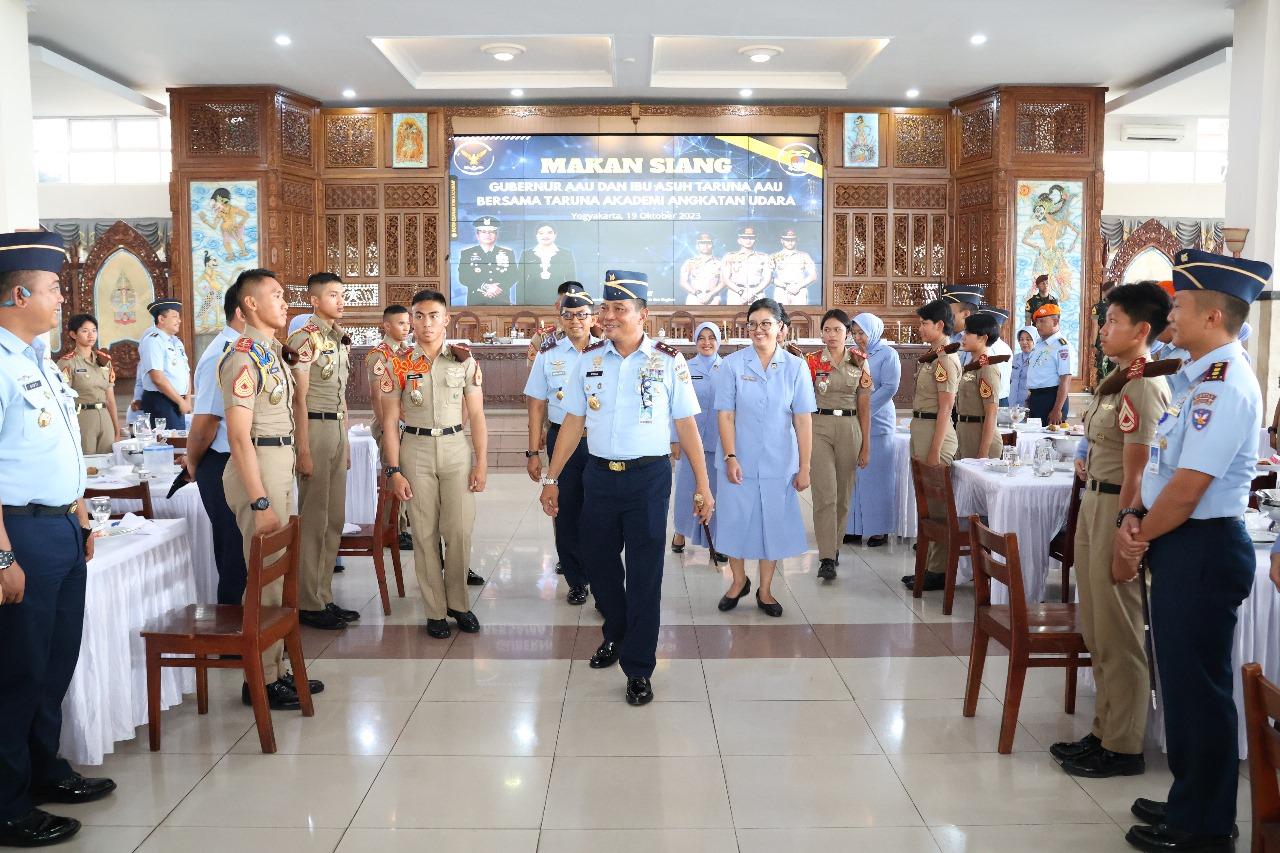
[686,47]
[1202,88]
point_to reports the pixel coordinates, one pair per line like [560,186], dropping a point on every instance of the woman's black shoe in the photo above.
[852,538]
[878,541]
[728,602]
[774,610]
[677,548]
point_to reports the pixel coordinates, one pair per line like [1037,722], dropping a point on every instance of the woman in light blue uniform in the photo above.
[1018,366]
[764,405]
[871,513]
[703,368]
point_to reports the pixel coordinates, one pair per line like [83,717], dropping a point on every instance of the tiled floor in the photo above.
[835,728]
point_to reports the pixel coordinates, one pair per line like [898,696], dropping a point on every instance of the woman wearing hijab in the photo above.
[702,372]
[1018,377]
[870,512]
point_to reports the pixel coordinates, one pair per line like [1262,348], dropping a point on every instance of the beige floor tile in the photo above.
[279,791]
[637,793]
[372,680]
[904,677]
[481,728]
[1048,723]
[148,786]
[381,840]
[526,611]
[103,839]
[817,791]
[338,728]
[906,726]
[1095,838]
[784,727]
[499,681]
[674,680]
[868,608]
[463,792]
[1117,795]
[183,730]
[773,678]
[175,839]
[1042,683]
[664,728]
[638,841]
[892,839]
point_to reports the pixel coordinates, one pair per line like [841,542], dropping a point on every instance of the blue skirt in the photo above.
[686,523]
[871,510]
[760,519]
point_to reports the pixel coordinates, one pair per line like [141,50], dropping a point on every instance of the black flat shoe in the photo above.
[1164,838]
[605,656]
[474,579]
[467,622]
[933,581]
[1068,750]
[406,541]
[322,619]
[37,828]
[316,685]
[1102,763]
[73,789]
[1153,812]
[677,549]
[877,541]
[338,568]
[827,569]
[280,696]
[559,570]
[639,691]
[728,602]
[577,595]
[439,628]
[717,557]
[852,538]
[774,610]
[342,613]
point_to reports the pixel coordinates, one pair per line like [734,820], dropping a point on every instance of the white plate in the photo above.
[1064,467]
[1263,537]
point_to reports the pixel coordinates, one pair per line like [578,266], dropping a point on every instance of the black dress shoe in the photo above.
[605,656]
[639,691]
[1154,811]
[827,569]
[774,609]
[439,628]
[338,568]
[474,579]
[342,613]
[559,570]
[577,595]
[467,622]
[677,548]
[316,685]
[322,619]
[728,602]
[1071,749]
[37,828]
[73,789]
[406,541]
[717,557]
[1102,763]
[280,696]
[933,581]
[878,541]
[1163,837]
[852,538]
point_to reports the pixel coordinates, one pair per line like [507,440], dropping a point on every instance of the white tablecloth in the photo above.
[131,580]
[185,504]
[362,479]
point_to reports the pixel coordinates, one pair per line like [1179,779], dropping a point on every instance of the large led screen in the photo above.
[711,220]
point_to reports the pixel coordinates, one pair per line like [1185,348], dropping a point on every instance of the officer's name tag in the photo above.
[82,370]
[31,386]
[696,376]
[414,376]
[1153,459]
[593,373]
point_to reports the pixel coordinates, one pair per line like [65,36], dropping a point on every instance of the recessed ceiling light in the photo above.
[517,93]
[348,93]
[913,93]
[977,39]
[503,52]
[760,52]
[744,93]
[283,40]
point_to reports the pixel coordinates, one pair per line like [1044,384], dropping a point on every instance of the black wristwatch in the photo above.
[261,504]
[391,469]
[529,454]
[1136,511]
[7,559]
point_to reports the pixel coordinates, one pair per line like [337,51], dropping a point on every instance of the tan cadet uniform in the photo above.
[253,375]
[1123,411]
[979,385]
[837,441]
[938,373]
[324,351]
[378,363]
[92,379]
[438,468]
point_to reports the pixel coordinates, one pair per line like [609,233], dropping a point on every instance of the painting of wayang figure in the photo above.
[224,242]
[1050,243]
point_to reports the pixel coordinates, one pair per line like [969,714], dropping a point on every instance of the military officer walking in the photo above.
[163,367]
[626,391]
[487,271]
[1048,368]
[44,542]
[1190,523]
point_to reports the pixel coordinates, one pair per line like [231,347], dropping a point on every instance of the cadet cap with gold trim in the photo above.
[1239,277]
[155,309]
[31,250]
[968,293]
[625,284]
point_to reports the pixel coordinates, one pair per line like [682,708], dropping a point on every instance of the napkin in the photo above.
[131,524]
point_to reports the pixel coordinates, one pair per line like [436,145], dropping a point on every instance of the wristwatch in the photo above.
[6,559]
[261,504]
[391,469]
[1136,511]
[549,481]
[729,456]
[529,454]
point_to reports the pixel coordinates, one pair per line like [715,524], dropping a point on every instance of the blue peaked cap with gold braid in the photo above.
[625,284]
[1239,277]
[31,250]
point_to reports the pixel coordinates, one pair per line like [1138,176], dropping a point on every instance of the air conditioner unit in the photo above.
[1169,133]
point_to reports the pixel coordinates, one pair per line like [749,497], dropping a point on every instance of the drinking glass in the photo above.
[161,423]
[1018,414]
[1045,458]
[100,509]
[1008,456]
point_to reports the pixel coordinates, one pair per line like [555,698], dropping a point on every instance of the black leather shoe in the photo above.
[467,622]
[1164,838]
[717,557]
[559,570]
[342,613]
[474,579]
[439,628]
[639,691]
[852,538]
[728,602]
[73,789]
[1102,763]
[322,619]
[280,696]
[827,569]
[316,685]
[339,568]
[878,541]
[933,581]
[677,548]
[406,541]
[577,595]
[1154,811]
[774,609]
[37,828]
[605,656]
[1071,749]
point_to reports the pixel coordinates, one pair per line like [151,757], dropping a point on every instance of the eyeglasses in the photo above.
[763,325]
[575,315]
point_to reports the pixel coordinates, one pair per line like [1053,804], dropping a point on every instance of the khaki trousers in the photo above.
[837,441]
[1111,620]
[402,517]
[322,510]
[969,436]
[276,467]
[921,436]
[96,434]
[438,470]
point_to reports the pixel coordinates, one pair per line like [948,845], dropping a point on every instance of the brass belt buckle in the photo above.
[839,413]
[615,465]
[339,414]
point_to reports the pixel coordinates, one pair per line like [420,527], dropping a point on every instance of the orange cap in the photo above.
[1049,309]
[1166,286]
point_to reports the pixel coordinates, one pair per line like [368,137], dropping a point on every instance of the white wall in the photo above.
[1184,201]
[17,169]
[103,201]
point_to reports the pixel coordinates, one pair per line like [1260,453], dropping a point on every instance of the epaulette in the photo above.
[1117,379]
[597,345]
[104,357]
[310,327]
[1217,372]
[68,356]
[1063,341]
[460,352]
[790,347]
[549,343]
[244,344]
[983,361]
[666,348]
[931,355]
[854,351]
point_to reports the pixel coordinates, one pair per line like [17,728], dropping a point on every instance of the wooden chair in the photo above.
[1036,636]
[933,484]
[205,636]
[526,323]
[371,539]
[1261,707]
[801,325]
[682,324]
[1063,546]
[1009,439]
[1262,481]
[140,492]
[178,442]
[739,325]
[466,326]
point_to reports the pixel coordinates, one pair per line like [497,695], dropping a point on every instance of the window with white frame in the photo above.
[102,150]
[1204,163]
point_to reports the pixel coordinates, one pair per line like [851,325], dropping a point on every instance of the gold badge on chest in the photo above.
[594,402]
[44,419]
[560,394]
[277,393]
[415,392]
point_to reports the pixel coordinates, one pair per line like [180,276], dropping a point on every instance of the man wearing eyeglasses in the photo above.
[556,361]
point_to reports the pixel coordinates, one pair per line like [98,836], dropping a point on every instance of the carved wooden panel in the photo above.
[840,244]
[299,194]
[411,195]
[861,195]
[351,196]
[919,141]
[919,245]
[1150,234]
[391,245]
[223,129]
[371,255]
[363,295]
[858,245]
[119,236]
[964,221]
[879,243]
[974,193]
[901,225]
[920,196]
[401,292]
[430,243]
[351,141]
[412,232]
[1051,128]
[977,133]
[351,244]
[913,294]
[332,245]
[295,133]
[851,293]
[938,246]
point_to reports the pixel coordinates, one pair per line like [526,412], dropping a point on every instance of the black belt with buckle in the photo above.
[628,464]
[80,407]
[272,441]
[555,427]
[39,510]
[1197,522]
[969,419]
[1104,488]
[325,416]
[838,413]
[928,416]
[434,432]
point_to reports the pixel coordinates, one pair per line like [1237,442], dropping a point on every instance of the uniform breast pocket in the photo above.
[1104,420]
[38,412]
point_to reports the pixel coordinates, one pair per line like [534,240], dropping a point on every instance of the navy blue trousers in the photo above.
[228,547]
[159,406]
[1199,576]
[627,510]
[567,522]
[39,646]
[1040,403]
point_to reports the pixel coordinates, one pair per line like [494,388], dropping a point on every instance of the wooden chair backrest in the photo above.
[1009,439]
[681,322]
[140,492]
[933,485]
[282,544]
[1261,706]
[1007,569]
[385,517]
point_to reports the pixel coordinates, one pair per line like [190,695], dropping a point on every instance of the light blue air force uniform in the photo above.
[702,373]
[1048,360]
[871,511]
[37,424]
[208,393]
[551,372]
[760,519]
[1178,381]
[158,351]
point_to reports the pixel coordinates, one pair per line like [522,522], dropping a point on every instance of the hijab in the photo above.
[874,327]
[1035,339]
[705,361]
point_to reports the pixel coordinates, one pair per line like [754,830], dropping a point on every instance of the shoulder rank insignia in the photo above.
[865,381]
[104,357]
[1135,369]
[940,373]
[984,389]
[1062,341]
[1117,379]
[244,344]
[1128,419]
[790,347]
[666,349]
[857,353]
[459,352]
[597,345]
[549,344]
[1217,372]
[310,327]
[245,385]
